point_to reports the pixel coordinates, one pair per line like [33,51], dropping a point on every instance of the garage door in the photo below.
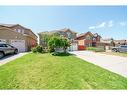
[19,44]
[73,47]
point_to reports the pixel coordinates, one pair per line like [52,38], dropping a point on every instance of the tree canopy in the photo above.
[58,42]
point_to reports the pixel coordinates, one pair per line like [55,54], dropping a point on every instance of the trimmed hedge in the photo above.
[61,54]
[95,49]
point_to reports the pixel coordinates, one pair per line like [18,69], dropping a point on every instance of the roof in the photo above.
[108,40]
[84,34]
[8,25]
[120,41]
[63,30]
[12,25]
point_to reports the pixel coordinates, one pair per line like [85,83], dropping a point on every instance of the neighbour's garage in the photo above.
[81,45]
[13,38]
[73,47]
[19,44]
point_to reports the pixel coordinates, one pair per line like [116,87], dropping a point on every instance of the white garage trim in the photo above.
[73,47]
[19,44]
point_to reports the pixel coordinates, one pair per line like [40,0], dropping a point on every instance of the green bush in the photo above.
[37,49]
[34,50]
[91,48]
[51,50]
[99,50]
[95,49]
[60,54]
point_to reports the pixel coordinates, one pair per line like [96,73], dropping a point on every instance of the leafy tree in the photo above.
[47,36]
[65,44]
[58,42]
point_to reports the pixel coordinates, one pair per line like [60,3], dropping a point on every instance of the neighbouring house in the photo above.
[66,32]
[87,40]
[120,42]
[18,36]
[106,43]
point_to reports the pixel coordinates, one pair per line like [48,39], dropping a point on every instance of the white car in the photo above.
[121,48]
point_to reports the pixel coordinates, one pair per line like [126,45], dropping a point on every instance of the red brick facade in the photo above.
[87,40]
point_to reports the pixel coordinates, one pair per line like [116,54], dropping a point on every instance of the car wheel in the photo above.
[16,51]
[114,50]
[1,55]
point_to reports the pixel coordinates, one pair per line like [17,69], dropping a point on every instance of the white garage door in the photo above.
[73,47]
[19,44]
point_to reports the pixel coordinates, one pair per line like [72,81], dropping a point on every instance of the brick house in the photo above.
[18,36]
[66,32]
[87,40]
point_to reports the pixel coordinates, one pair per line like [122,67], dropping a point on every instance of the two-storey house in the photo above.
[18,36]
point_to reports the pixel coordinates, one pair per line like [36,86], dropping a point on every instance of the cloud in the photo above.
[122,23]
[98,26]
[110,23]
[92,27]
[101,25]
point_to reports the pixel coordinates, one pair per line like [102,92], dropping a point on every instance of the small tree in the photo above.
[65,44]
[58,42]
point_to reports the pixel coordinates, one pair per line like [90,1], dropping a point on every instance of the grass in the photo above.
[116,53]
[44,71]
[95,49]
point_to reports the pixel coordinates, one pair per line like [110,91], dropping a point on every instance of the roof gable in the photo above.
[85,34]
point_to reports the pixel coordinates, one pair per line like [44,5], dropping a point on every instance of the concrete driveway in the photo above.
[9,58]
[112,63]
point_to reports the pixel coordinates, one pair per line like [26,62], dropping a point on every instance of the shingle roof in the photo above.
[11,25]
[63,30]
[84,34]
[7,25]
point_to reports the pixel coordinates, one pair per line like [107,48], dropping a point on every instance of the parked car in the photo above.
[7,49]
[121,48]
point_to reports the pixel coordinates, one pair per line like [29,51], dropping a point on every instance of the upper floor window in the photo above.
[94,39]
[88,37]
[19,30]
[69,34]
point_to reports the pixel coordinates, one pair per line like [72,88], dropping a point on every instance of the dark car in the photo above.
[7,49]
[121,48]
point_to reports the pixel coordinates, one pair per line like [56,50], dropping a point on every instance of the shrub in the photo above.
[95,49]
[34,50]
[99,50]
[37,49]
[51,49]
[91,48]
[61,54]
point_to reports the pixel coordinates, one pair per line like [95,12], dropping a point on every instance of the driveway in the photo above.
[9,58]
[112,63]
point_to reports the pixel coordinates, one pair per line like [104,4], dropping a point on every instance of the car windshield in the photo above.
[124,46]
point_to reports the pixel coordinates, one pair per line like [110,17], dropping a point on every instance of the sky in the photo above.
[108,21]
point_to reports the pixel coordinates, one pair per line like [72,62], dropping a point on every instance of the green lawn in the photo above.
[44,71]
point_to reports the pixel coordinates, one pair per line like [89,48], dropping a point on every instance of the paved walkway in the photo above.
[112,63]
[10,58]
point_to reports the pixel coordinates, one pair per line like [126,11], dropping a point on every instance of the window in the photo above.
[69,34]
[94,39]
[124,46]
[19,30]
[88,37]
